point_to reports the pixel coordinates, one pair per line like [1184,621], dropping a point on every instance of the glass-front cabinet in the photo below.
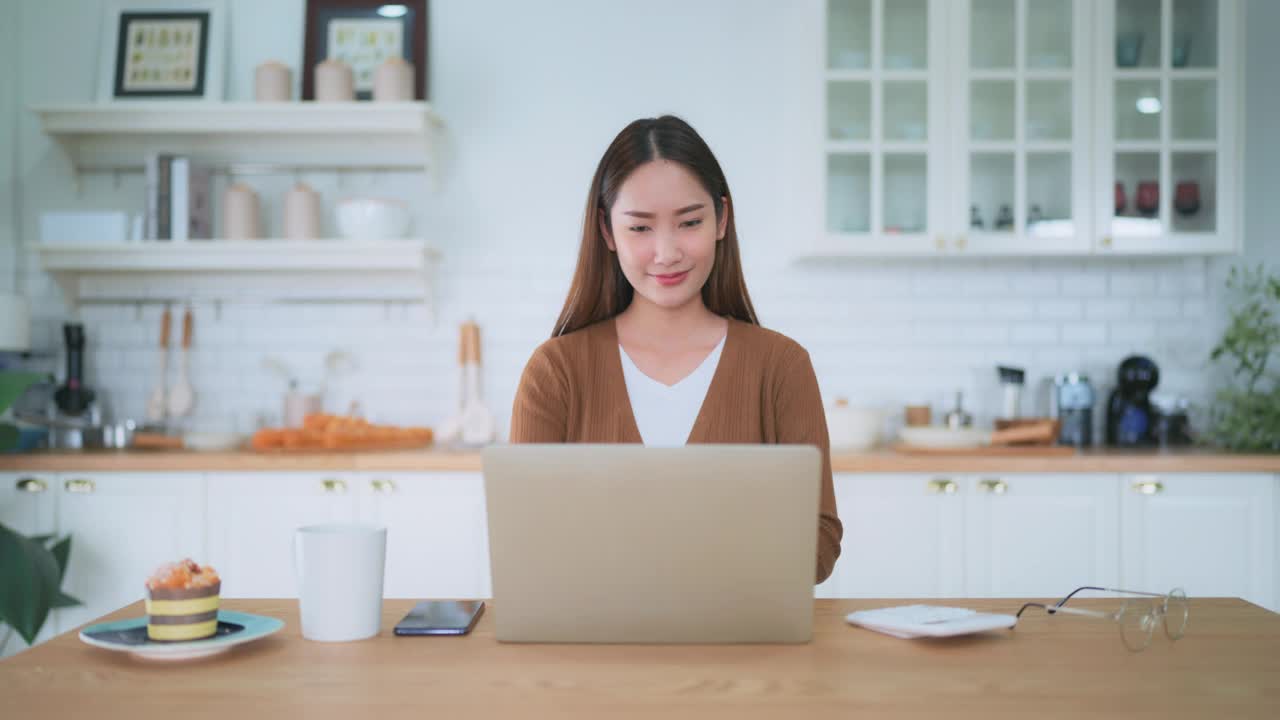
[1167,160]
[1020,126]
[884,99]
[1029,127]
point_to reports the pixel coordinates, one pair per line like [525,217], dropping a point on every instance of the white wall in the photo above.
[532,93]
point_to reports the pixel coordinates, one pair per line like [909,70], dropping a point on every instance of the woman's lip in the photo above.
[672,278]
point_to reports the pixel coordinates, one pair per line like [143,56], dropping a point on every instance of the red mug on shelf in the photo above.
[1186,197]
[1147,199]
[1121,200]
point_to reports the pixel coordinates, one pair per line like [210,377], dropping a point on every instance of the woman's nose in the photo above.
[667,249]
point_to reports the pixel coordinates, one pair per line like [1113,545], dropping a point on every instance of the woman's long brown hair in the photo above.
[599,290]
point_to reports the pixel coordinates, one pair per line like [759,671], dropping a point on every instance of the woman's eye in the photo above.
[638,228]
[692,223]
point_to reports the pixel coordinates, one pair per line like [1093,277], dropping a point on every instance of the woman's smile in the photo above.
[671,278]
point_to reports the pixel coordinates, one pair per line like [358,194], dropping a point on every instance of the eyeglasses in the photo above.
[1137,618]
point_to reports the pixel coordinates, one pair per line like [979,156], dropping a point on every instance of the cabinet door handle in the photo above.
[941,242]
[961,241]
[31,485]
[334,485]
[382,485]
[994,487]
[80,485]
[1148,487]
[1106,241]
[942,486]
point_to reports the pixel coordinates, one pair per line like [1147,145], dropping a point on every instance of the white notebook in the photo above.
[912,621]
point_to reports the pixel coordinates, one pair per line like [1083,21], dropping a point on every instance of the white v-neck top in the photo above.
[665,414]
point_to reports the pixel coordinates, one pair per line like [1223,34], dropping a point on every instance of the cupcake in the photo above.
[182,602]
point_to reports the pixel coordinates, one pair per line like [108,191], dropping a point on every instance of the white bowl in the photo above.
[371,218]
[943,437]
[854,428]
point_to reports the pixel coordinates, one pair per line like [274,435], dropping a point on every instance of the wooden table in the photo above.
[1228,665]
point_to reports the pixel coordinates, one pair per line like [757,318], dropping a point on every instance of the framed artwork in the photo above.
[364,33]
[155,49]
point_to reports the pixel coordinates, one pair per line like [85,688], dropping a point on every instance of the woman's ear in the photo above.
[723,223]
[604,231]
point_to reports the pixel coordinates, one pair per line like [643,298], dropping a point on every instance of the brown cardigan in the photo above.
[764,391]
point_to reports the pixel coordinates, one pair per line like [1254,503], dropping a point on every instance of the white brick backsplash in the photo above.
[1034,284]
[1011,309]
[1194,308]
[1132,284]
[1033,334]
[1125,334]
[1107,309]
[1059,309]
[1084,333]
[1082,284]
[1158,308]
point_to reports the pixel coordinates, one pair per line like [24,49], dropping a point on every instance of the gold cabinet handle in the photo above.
[1148,487]
[334,485]
[382,485]
[80,485]
[961,241]
[31,485]
[942,486]
[941,242]
[993,487]
[1106,241]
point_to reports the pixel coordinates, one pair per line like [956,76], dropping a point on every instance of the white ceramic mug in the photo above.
[339,570]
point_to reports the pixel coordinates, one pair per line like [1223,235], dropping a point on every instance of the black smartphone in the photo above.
[441,617]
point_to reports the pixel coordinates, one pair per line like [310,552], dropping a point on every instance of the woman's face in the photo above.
[664,231]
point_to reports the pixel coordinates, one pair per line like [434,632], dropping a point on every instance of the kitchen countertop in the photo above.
[879,461]
[1227,665]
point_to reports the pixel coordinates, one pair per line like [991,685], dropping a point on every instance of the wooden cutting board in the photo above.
[990,450]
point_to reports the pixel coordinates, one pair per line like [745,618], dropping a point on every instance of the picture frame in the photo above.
[162,49]
[363,33]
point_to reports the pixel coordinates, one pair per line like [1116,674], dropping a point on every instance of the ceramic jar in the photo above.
[301,213]
[335,82]
[271,82]
[393,81]
[240,213]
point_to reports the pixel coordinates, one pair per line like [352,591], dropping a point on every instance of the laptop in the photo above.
[628,544]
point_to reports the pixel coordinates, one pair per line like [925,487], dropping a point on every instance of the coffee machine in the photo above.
[1130,418]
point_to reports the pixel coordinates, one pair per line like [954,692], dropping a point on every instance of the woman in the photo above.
[658,342]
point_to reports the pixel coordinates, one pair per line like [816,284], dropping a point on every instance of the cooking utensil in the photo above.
[957,418]
[156,404]
[952,438]
[474,425]
[183,397]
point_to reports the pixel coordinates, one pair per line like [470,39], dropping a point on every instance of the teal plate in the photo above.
[234,628]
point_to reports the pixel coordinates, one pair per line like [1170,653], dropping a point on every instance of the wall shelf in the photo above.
[301,135]
[232,270]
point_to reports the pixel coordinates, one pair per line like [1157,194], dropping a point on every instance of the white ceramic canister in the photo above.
[240,213]
[271,81]
[393,81]
[335,82]
[301,213]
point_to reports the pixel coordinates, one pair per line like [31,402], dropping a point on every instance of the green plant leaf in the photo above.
[9,436]
[29,581]
[65,601]
[13,383]
[61,553]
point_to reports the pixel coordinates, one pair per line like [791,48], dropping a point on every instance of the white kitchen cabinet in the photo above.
[1040,535]
[123,526]
[1169,125]
[1212,535]
[1020,140]
[27,506]
[903,537]
[252,519]
[1017,127]
[437,538]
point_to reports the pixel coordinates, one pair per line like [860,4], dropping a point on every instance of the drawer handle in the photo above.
[941,242]
[994,487]
[334,486]
[942,486]
[31,485]
[1106,241]
[1149,487]
[80,485]
[382,485]
[961,241]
